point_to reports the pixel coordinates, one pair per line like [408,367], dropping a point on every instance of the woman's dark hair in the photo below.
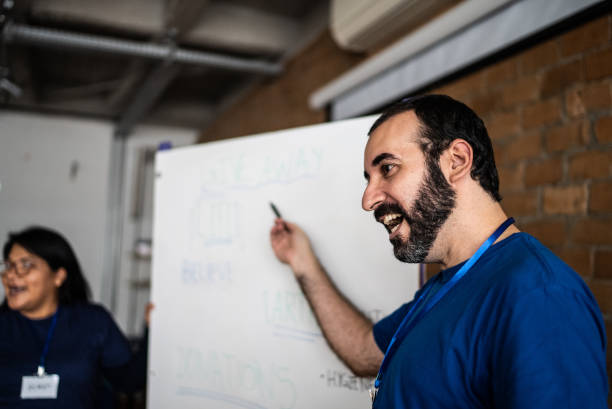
[443,120]
[57,252]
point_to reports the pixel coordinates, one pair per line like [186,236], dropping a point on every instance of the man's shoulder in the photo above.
[522,252]
[522,263]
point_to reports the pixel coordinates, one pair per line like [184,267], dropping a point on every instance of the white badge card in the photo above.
[39,387]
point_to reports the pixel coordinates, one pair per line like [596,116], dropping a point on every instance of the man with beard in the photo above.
[505,324]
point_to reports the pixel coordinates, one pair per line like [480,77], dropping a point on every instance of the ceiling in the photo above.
[167,62]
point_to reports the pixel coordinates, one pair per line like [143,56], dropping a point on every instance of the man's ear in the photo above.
[60,277]
[459,160]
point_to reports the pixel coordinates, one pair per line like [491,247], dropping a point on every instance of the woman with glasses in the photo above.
[56,346]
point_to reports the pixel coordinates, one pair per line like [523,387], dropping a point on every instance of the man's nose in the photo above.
[372,197]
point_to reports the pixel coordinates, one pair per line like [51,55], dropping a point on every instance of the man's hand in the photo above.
[292,246]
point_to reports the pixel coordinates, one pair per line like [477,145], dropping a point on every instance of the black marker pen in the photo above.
[277,213]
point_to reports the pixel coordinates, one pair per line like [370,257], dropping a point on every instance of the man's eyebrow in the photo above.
[377,160]
[382,157]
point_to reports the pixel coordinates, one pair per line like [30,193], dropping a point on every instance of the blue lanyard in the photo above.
[401,332]
[41,366]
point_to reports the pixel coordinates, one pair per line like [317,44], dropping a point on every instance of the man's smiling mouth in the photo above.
[392,221]
[391,216]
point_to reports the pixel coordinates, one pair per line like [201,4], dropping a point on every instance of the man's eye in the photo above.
[387,168]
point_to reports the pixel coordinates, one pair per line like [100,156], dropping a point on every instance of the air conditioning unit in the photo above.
[360,25]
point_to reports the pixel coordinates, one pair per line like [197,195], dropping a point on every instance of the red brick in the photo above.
[483,104]
[561,77]
[593,34]
[577,258]
[602,291]
[511,177]
[503,124]
[597,96]
[550,232]
[565,200]
[574,103]
[466,85]
[600,200]
[591,164]
[603,129]
[543,55]
[521,203]
[591,98]
[603,265]
[592,231]
[504,71]
[543,172]
[523,147]
[541,113]
[567,136]
[599,65]
[524,90]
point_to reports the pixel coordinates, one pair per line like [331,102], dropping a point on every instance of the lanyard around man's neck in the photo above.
[403,328]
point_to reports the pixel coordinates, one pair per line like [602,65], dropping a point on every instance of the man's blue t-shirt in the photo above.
[519,330]
[85,345]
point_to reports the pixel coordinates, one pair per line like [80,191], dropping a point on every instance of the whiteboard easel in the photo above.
[231,328]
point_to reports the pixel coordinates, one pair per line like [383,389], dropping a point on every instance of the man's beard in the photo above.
[432,207]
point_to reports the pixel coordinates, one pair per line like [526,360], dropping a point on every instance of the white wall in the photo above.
[132,281]
[54,171]
[57,172]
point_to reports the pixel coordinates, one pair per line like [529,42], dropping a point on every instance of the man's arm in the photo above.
[347,330]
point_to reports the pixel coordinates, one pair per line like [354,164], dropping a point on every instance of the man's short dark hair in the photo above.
[442,120]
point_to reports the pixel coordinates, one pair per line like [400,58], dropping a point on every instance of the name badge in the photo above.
[39,387]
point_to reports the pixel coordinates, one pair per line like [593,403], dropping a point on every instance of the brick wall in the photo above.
[549,113]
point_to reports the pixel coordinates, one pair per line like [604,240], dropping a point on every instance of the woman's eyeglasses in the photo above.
[20,268]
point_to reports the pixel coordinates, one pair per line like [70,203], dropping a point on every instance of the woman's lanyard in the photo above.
[403,329]
[41,366]
[42,385]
